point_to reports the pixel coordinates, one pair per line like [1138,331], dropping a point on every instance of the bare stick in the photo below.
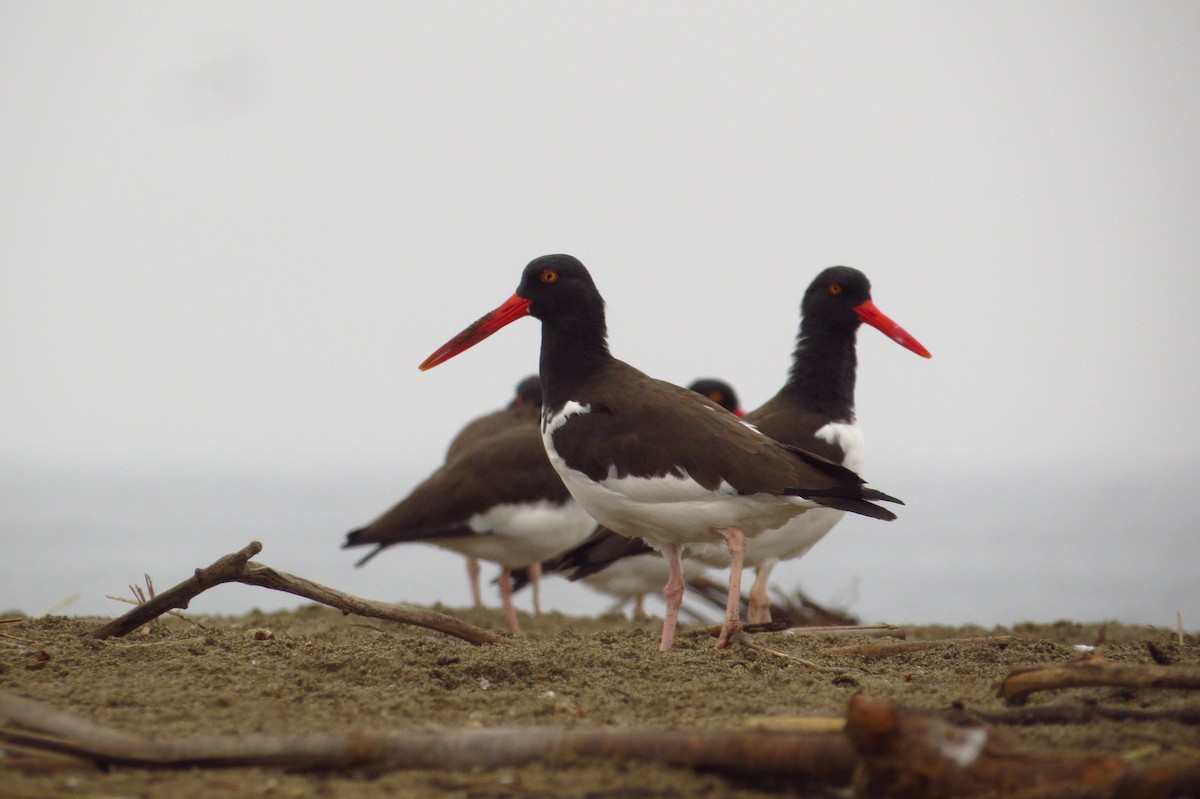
[776,626]
[825,757]
[877,651]
[236,568]
[266,577]
[865,630]
[1086,714]
[1022,682]
[914,754]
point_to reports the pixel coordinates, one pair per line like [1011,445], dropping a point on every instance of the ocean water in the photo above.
[968,548]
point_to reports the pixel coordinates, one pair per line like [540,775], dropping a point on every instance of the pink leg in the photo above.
[510,612]
[639,606]
[737,551]
[535,582]
[760,603]
[473,579]
[673,594]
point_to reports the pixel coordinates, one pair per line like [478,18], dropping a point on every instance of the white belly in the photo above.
[522,533]
[670,510]
[635,576]
[790,541]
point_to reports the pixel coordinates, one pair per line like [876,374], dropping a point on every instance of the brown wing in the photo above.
[489,425]
[509,467]
[669,430]
[785,420]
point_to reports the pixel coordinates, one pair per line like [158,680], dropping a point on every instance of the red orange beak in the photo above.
[880,321]
[513,309]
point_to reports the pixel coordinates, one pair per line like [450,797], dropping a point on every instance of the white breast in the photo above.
[667,510]
[520,533]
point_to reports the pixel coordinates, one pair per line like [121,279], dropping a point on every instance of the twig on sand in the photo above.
[914,754]
[1085,714]
[1094,671]
[823,757]
[741,639]
[237,568]
[884,650]
[790,627]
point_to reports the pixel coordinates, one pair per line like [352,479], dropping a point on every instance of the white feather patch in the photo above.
[849,437]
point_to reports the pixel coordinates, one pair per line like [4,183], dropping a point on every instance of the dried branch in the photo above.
[236,568]
[824,757]
[1086,714]
[790,627]
[908,754]
[1095,671]
[878,651]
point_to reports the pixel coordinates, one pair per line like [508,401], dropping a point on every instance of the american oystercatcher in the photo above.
[814,411]
[525,406]
[650,459]
[496,498]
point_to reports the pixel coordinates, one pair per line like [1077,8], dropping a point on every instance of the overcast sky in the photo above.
[229,232]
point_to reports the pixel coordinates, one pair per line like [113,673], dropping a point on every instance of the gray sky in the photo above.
[229,232]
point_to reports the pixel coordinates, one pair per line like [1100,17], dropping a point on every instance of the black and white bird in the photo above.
[496,498]
[634,571]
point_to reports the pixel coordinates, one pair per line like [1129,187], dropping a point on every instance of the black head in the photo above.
[719,392]
[555,289]
[529,392]
[556,285]
[834,294]
[839,300]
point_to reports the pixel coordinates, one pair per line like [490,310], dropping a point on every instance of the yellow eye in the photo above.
[834,288]
[549,275]
[716,396]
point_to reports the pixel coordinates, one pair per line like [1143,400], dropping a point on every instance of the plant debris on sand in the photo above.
[315,670]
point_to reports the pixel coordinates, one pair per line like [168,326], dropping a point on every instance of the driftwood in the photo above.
[1085,714]
[802,610]
[790,627]
[820,757]
[924,755]
[237,568]
[885,650]
[1095,671]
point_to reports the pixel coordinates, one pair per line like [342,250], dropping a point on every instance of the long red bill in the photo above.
[880,321]
[513,309]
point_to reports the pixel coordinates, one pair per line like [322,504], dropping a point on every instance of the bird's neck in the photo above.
[573,349]
[823,370]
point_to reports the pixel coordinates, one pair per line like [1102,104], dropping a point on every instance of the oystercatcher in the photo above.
[496,498]
[638,568]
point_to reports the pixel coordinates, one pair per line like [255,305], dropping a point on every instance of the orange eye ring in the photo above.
[834,288]
[549,275]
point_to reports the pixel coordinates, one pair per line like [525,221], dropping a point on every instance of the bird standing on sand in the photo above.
[639,570]
[526,405]
[496,498]
[650,459]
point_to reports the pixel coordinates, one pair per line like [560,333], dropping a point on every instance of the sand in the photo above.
[314,669]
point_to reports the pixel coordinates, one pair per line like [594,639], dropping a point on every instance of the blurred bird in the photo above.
[496,498]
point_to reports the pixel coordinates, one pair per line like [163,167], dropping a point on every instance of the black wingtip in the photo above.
[352,540]
[378,548]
